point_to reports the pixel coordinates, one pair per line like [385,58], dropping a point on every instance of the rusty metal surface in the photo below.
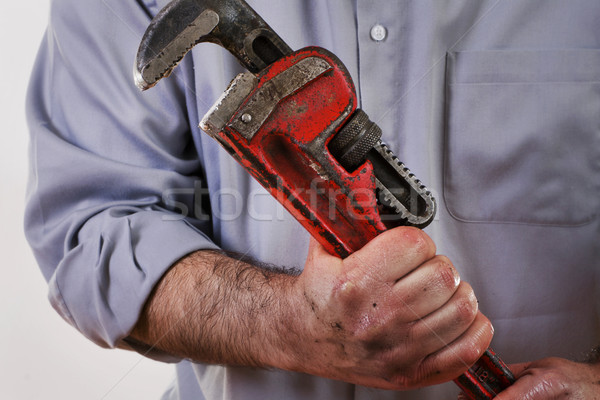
[228,104]
[289,157]
[182,24]
[263,102]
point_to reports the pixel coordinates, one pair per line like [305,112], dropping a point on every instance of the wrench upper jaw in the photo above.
[182,24]
[171,34]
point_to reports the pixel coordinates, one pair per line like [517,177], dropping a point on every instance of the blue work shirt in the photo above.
[495,105]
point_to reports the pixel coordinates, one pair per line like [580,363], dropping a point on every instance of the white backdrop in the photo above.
[41,356]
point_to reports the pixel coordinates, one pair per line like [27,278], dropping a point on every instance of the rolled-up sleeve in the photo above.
[103,158]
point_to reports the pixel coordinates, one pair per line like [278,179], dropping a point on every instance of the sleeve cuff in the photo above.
[128,258]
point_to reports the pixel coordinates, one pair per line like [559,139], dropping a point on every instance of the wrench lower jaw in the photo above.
[401,198]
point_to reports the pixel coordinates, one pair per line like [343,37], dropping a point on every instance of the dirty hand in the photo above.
[554,378]
[393,315]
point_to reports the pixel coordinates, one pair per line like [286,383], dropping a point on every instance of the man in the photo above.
[493,104]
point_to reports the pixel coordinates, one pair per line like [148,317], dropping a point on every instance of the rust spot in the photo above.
[302,109]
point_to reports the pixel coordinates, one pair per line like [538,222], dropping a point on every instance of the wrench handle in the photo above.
[486,378]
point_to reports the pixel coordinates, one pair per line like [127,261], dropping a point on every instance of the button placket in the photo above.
[378,53]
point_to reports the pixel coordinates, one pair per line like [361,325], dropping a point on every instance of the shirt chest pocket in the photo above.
[522,138]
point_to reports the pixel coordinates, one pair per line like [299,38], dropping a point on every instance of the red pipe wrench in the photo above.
[292,121]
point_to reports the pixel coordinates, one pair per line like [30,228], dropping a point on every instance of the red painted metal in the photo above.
[486,378]
[288,155]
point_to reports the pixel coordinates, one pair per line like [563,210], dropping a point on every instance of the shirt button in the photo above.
[378,33]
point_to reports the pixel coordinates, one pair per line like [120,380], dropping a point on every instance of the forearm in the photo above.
[392,316]
[216,309]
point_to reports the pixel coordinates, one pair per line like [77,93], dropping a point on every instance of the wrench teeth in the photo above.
[403,194]
[170,66]
[160,53]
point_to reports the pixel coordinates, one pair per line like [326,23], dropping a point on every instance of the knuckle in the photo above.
[424,243]
[446,276]
[344,302]
[403,302]
[346,289]
[466,308]
[418,239]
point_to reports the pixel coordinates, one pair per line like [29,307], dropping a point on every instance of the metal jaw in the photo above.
[182,24]
[402,198]
[408,199]
[263,102]
[227,105]
[233,24]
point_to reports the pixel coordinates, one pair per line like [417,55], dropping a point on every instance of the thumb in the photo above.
[521,389]
[314,247]
[518,369]
[318,255]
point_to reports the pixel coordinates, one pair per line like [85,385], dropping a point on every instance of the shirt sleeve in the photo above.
[104,161]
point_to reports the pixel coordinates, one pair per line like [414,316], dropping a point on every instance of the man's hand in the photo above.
[392,315]
[554,378]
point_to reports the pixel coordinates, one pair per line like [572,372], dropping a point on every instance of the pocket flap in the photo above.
[522,66]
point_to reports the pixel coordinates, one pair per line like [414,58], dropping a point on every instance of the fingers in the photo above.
[426,288]
[319,261]
[519,369]
[401,313]
[455,358]
[316,250]
[392,254]
[442,327]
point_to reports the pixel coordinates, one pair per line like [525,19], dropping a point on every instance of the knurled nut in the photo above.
[357,152]
[352,143]
[349,132]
